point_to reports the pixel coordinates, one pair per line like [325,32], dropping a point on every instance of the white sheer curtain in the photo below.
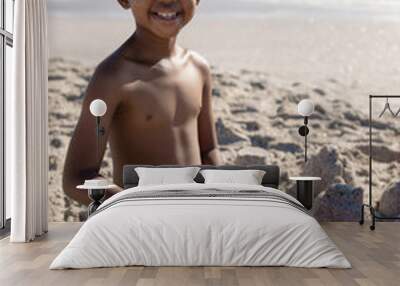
[26,123]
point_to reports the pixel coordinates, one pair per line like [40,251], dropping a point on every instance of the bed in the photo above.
[198,224]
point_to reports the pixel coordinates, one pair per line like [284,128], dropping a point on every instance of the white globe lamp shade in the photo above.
[305,107]
[98,108]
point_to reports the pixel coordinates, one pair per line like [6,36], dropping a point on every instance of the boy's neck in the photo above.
[151,49]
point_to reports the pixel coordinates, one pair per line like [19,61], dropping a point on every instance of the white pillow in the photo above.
[247,177]
[165,176]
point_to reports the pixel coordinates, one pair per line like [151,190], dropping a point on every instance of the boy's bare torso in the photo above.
[157,114]
[156,118]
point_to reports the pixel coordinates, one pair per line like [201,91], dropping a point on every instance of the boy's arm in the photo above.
[207,132]
[81,162]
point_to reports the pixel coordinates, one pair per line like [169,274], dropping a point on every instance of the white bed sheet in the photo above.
[200,232]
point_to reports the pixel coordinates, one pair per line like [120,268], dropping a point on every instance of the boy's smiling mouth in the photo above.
[167,12]
[170,16]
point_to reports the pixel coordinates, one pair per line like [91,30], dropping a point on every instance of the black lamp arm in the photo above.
[304,131]
[100,131]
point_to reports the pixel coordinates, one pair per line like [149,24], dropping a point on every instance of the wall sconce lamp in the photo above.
[98,109]
[305,108]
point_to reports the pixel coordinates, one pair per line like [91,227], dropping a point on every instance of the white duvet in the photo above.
[205,231]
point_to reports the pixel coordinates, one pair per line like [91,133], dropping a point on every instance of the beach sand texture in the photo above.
[257,122]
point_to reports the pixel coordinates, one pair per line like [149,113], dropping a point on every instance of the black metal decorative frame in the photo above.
[374,215]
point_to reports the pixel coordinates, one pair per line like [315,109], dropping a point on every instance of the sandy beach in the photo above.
[257,123]
[263,65]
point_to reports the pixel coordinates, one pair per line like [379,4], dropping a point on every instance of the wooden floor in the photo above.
[375,257]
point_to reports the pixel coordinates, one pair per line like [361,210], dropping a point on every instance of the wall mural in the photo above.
[265,57]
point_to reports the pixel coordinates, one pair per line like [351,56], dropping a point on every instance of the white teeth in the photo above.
[167,16]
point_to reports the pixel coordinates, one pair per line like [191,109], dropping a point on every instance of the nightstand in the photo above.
[305,190]
[96,194]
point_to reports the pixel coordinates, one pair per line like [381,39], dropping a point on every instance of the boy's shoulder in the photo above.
[200,61]
[107,79]
[109,68]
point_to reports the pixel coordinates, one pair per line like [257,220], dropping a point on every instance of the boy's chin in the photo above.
[165,34]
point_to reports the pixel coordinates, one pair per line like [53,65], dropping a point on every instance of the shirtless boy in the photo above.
[158,98]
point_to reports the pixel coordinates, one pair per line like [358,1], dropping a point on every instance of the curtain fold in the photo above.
[26,123]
